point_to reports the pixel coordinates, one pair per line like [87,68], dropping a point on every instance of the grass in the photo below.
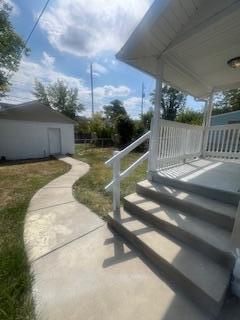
[89,190]
[18,182]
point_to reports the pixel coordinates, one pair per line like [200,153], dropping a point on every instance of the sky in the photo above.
[69,37]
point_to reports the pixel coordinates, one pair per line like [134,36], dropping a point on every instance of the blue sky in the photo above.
[71,35]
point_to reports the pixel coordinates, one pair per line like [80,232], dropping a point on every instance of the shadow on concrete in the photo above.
[119,252]
[123,251]
[219,174]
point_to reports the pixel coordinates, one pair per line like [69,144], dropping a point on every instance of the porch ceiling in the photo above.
[195,39]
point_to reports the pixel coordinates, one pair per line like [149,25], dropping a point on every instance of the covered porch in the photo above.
[189,203]
[194,47]
[216,174]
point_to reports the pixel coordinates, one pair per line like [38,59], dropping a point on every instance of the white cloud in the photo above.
[15,9]
[87,29]
[112,92]
[23,83]
[133,102]
[98,69]
[47,60]
[133,106]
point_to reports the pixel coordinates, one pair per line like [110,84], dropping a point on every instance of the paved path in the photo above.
[84,272]
[54,217]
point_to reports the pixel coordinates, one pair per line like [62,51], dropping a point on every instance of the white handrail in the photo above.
[128,149]
[114,185]
[126,172]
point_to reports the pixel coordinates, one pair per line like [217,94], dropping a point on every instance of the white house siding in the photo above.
[28,139]
[226,118]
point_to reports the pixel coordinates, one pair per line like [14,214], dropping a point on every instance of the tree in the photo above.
[59,97]
[124,129]
[82,128]
[173,101]
[227,101]
[113,110]
[99,127]
[146,119]
[12,47]
[191,117]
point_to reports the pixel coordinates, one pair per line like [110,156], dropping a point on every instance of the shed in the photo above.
[34,130]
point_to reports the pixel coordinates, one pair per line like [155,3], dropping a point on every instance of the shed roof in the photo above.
[33,111]
[194,38]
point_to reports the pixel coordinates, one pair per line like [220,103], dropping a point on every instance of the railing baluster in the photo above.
[116,185]
[228,139]
[219,140]
[237,146]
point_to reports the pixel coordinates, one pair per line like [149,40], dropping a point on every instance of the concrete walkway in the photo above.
[84,272]
[54,217]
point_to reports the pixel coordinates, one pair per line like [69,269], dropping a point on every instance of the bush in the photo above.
[125,130]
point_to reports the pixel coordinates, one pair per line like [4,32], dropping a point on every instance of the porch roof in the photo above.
[194,38]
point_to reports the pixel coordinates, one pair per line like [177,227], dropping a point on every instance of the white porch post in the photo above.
[154,140]
[209,110]
[207,121]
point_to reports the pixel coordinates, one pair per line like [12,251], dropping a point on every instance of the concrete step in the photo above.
[212,193]
[199,234]
[199,277]
[216,212]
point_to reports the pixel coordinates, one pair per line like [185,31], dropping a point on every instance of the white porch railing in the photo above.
[222,142]
[114,185]
[177,143]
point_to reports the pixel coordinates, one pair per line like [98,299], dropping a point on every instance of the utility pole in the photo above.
[91,74]
[143,96]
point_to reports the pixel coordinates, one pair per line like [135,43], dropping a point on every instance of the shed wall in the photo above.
[28,139]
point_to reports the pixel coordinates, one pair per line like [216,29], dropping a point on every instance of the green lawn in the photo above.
[89,190]
[18,183]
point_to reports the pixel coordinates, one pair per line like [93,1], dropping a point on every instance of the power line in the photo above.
[34,26]
[36,23]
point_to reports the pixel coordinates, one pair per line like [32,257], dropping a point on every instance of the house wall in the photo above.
[28,139]
[226,118]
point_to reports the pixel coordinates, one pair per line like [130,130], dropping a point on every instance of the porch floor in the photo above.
[222,175]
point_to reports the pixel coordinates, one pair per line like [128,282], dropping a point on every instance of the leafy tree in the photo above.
[143,125]
[124,129]
[146,119]
[173,101]
[60,97]
[83,127]
[12,47]
[113,110]
[227,101]
[40,91]
[190,116]
[98,126]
